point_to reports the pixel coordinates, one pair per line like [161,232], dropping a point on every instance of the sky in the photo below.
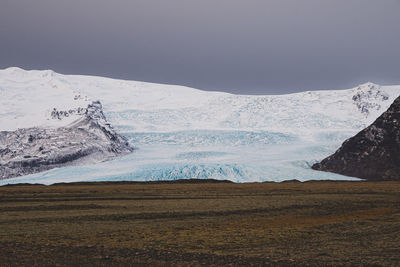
[237,46]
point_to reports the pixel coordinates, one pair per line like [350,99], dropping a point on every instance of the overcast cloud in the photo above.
[248,46]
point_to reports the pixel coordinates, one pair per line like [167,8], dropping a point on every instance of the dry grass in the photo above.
[313,223]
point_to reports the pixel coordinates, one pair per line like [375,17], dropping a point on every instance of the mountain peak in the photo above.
[12,71]
[19,73]
[369,84]
[368,98]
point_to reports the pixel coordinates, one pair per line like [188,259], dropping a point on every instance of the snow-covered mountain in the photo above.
[182,132]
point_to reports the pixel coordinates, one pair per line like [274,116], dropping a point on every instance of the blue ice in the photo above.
[239,156]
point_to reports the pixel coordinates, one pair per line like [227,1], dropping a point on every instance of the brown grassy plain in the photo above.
[210,224]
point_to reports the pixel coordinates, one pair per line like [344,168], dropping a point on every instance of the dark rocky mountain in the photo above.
[89,139]
[373,154]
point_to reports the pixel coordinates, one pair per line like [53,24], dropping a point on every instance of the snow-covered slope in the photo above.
[190,131]
[29,97]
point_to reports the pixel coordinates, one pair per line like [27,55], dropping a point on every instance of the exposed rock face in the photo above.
[89,139]
[368,96]
[373,154]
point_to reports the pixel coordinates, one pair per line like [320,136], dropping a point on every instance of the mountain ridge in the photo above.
[146,107]
[89,139]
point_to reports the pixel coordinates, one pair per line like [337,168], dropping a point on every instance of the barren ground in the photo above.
[210,224]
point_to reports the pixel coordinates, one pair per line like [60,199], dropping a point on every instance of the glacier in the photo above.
[180,132]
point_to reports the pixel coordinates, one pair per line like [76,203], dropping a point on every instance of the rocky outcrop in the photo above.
[373,154]
[89,139]
[368,97]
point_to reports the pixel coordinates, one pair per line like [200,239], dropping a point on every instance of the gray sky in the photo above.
[246,46]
